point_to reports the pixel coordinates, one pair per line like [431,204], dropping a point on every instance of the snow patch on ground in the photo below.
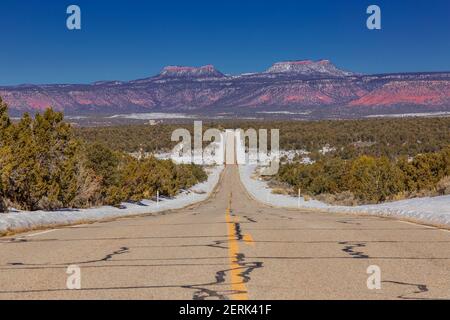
[290,155]
[22,220]
[151,116]
[408,115]
[434,210]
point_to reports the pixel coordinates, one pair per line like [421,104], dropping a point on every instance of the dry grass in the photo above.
[345,198]
[400,196]
[443,186]
[280,191]
[11,232]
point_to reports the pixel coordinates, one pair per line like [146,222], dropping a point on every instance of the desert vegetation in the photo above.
[367,179]
[349,138]
[44,165]
[349,162]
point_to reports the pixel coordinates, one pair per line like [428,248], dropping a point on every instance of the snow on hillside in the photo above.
[435,211]
[25,220]
[151,116]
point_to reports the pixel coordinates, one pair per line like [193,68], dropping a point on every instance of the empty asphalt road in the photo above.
[230,247]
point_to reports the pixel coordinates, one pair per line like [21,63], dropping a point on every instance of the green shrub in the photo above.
[44,166]
[370,179]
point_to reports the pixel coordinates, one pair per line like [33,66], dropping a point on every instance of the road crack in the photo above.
[420,288]
[350,247]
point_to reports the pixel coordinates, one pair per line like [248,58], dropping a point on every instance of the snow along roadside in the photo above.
[434,211]
[28,220]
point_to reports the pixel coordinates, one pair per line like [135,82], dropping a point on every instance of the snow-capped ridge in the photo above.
[186,71]
[308,67]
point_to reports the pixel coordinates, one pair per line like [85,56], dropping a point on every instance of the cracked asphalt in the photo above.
[230,247]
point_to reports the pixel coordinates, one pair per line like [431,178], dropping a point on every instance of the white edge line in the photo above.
[40,233]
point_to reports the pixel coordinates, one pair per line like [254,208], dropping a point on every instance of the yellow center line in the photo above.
[237,284]
[249,239]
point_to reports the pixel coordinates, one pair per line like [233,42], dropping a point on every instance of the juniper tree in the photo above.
[5,125]
[44,166]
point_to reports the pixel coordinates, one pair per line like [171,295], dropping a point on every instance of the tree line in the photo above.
[349,138]
[44,165]
[368,160]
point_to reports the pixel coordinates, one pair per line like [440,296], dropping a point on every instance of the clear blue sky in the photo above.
[132,39]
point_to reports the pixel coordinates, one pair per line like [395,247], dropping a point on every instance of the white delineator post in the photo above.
[157,198]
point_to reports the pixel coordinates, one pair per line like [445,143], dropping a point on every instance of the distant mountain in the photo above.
[309,68]
[318,88]
[191,72]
